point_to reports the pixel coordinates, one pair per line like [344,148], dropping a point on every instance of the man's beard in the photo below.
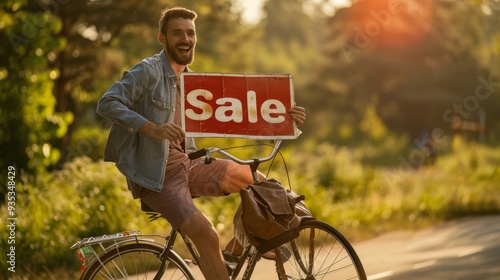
[172,53]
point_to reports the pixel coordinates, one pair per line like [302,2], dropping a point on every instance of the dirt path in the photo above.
[468,248]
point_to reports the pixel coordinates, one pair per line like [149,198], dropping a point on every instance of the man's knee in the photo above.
[235,178]
[197,225]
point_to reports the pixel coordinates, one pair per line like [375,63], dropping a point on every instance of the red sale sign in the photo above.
[237,105]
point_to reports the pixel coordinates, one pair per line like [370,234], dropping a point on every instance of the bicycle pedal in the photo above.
[229,264]
[230,261]
[228,257]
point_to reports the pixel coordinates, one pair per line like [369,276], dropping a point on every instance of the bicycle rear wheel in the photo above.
[320,252]
[136,261]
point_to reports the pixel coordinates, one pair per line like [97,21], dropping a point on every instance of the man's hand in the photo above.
[169,131]
[298,114]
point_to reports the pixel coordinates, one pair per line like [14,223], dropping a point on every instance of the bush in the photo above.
[84,199]
[88,141]
[461,183]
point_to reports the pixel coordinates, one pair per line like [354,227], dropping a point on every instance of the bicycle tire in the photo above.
[137,259]
[320,252]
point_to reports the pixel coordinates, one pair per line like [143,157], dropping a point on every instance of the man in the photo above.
[148,146]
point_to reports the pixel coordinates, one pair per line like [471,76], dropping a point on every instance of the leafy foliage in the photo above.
[30,122]
[83,199]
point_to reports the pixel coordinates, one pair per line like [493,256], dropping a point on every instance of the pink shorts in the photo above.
[181,185]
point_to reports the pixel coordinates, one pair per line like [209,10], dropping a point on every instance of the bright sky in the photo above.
[252,8]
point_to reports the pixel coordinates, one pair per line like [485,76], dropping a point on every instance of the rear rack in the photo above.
[120,236]
[91,249]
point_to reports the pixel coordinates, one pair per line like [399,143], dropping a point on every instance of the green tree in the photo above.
[412,62]
[52,62]
[291,46]
[30,122]
[278,26]
[82,61]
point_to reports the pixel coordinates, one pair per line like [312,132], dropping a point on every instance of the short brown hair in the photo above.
[177,12]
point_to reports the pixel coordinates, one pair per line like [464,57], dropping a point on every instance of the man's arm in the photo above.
[116,102]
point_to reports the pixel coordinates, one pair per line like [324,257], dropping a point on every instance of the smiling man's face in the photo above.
[180,41]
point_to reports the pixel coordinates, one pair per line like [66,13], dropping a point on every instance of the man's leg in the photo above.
[218,178]
[176,205]
[201,232]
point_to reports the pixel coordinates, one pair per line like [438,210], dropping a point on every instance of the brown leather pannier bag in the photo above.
[268,210]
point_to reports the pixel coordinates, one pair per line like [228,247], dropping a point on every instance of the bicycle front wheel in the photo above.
[320,252]
[136,261]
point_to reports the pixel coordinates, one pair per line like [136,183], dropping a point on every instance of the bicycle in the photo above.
[315,250]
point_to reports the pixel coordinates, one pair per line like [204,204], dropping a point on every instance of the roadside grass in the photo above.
[363,201]
[89,198]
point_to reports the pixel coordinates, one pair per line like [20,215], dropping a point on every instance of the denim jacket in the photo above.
[145,92]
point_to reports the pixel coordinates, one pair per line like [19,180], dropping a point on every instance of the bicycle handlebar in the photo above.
[207,152]
[198,154]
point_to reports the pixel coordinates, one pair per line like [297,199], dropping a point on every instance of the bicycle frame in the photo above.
[253,257]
